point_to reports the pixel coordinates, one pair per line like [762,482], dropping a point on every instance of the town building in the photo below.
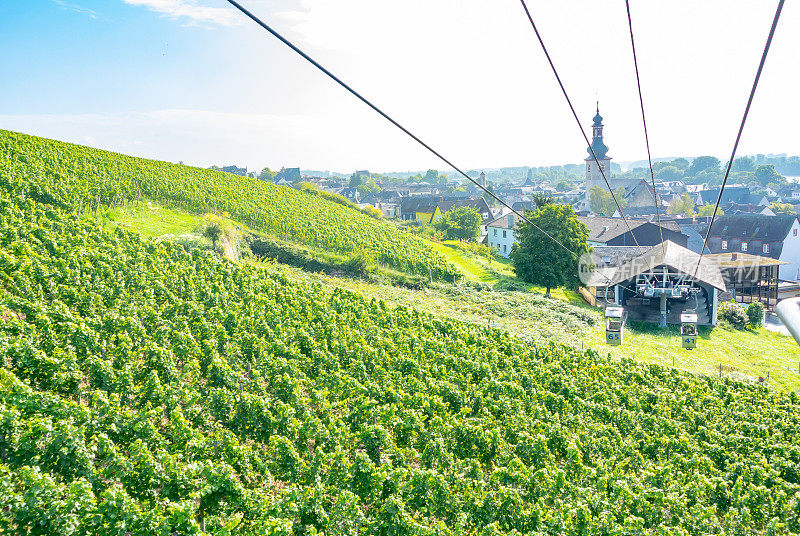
[776,237]
[501,233]
[615,232]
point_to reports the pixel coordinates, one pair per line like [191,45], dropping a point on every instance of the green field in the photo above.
[146,389]
[151,388]
[89,180]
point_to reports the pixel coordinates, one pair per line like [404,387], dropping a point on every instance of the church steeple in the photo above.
[599,148]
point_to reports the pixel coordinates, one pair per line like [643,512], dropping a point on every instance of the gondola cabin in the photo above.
[689,330]
[615,324]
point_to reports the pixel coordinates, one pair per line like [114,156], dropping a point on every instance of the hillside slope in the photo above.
[81,177]
[148,390]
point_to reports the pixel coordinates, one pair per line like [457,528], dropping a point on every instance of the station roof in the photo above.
[670,255]
[742,260]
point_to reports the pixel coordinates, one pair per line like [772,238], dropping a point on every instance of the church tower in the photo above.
[594,177]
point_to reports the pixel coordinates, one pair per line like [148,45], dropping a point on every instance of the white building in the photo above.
[502,234]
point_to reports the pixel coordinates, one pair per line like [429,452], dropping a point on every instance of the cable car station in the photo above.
[662,284]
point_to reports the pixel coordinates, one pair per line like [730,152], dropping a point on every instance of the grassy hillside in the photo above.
[81,178]
[148,390]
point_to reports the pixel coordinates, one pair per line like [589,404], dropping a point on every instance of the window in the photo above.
[724,244]
[744,246]
[495,232]
[504,248]
[794,232]
[504,233]
[765,248]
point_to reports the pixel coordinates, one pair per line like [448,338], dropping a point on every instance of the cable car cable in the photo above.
[741,128]
[644,123]
[580,127]
[401,127]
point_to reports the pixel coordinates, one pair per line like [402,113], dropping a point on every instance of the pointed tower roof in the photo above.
[598,147]
[598,119]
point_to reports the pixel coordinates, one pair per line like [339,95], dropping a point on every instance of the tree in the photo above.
[463,223]
[563,186]
[767,174]
[432,176]
[668,173]
[680,163]
[541,199]
[708,210]
[355,180]
[703,163]
[783,208]
[369,187]
[682,205]
[601,201]
[213,232]
[266,175]
[538,260]
[743,164]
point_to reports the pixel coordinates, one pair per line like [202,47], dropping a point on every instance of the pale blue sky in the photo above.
[193,80]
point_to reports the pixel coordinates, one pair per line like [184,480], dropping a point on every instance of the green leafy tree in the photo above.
[355,180]
[432,176]
[266,175]
[680,163]
[668,173]
[682,205]
[703,164]
[463,223]
[369,187]
[541,199]
[708,210]
[538,260]
[601,201]
[783,208]
[743,164]
[564,186]
[767,174]
[213,232]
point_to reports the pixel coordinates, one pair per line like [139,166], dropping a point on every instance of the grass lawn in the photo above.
[150,220]
[751,353]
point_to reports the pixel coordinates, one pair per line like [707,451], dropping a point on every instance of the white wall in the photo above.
[791,254]
[500,244]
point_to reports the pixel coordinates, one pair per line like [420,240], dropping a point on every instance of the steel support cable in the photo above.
[578,121]
[336,79]
[644,124]
[741,128]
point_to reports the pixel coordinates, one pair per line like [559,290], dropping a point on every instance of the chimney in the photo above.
[511,221]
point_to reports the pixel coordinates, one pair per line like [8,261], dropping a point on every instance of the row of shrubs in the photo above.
[356,264]
[740,317]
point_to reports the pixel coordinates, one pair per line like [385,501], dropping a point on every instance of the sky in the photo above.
[197,82]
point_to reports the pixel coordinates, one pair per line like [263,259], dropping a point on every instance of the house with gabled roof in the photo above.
[501,233]
[614,232]
[776,237]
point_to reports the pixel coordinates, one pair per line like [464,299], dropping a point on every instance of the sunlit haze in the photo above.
[197,82]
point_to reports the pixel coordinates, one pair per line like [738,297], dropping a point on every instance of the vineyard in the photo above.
[145,389]
[83,179]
